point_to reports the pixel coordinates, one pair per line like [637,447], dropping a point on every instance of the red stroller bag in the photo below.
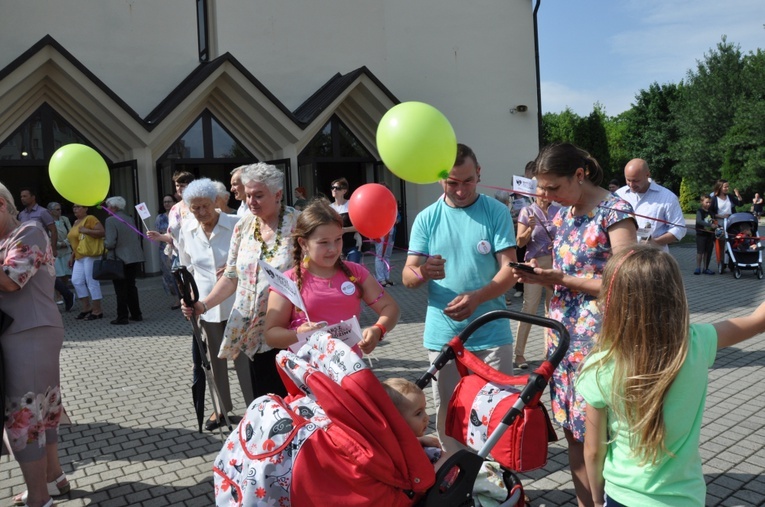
[478,405]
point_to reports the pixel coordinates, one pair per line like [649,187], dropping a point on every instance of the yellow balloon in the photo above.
[416,142]
[79,174]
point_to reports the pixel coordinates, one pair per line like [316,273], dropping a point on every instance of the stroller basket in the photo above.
[458,491]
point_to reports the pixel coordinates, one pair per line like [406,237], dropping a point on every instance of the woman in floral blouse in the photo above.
[592,225]
[265,234]
[31,348]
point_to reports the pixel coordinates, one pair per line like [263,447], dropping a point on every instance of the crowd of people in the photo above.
[590,251]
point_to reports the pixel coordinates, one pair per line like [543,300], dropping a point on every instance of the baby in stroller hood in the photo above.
[489,488]
[743,240]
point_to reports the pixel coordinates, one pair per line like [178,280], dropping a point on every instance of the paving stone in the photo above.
[134,440]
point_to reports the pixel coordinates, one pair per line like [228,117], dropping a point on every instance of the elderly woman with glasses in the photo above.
[351,239]
[265,234]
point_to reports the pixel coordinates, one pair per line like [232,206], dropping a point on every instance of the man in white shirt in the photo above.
[237,188]
[651,200]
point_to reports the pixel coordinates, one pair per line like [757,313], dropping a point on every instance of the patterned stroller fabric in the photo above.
[336,440]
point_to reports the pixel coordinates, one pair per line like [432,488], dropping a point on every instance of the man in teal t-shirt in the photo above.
[460,246]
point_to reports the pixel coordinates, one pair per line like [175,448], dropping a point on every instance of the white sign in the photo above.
[283,284]
[143,211]
[524,186]
[348,331]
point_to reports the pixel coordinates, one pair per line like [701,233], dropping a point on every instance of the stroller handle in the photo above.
[447,353]
[187,286]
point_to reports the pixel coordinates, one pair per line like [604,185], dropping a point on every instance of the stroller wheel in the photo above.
[736,273]
[759,272]
[721,268]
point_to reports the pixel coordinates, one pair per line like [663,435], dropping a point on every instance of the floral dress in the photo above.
[244,330]
[31,344]
[581,248]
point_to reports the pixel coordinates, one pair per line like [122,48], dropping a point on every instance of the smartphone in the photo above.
[522,267]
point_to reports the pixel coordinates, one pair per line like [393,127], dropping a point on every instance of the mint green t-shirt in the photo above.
[469,239]
[676,480]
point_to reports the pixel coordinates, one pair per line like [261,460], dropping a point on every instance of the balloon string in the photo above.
[632,213]
[126,223]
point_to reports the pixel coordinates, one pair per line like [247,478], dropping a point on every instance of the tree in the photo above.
[705,113]
[651,131]
[559,127]
[744,143]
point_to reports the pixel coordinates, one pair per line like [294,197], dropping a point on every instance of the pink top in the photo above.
[330,299]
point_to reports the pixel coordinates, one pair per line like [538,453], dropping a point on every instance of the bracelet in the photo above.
[381,328]
[205,306]
[416,274]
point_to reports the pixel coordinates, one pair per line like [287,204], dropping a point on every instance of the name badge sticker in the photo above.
[348,288]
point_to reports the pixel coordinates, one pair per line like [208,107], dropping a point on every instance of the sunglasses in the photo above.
[337,188]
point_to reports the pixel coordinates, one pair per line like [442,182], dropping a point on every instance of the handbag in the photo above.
[89,246]
[108,269]
[480,401]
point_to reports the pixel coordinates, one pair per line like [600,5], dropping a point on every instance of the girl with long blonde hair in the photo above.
[332,289]
[645,384]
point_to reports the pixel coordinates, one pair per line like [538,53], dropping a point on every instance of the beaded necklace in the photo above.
[265,253]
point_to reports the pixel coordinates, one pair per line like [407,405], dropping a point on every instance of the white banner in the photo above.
[349,331]
[283,284]
[524,186]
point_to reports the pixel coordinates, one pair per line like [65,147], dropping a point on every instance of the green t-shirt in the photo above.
[676,480]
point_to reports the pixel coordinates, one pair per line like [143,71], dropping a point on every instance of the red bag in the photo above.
[480,401]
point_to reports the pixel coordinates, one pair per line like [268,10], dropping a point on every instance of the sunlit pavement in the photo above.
[133,438]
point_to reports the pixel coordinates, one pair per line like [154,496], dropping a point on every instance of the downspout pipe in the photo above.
[539,86]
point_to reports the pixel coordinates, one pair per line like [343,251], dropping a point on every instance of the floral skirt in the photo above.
[568,406]
[32,390]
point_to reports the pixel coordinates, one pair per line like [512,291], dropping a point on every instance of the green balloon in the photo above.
[79,174]
[416,142]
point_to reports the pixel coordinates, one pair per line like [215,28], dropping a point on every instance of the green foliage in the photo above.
[709,126]
[651,131]
[689,200]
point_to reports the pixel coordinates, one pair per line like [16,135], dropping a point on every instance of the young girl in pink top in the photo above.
[332,289]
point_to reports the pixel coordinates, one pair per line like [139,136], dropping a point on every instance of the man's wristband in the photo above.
[418,275]
[204,305]
[381,328]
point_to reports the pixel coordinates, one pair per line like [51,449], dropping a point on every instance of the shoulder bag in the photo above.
[108,269]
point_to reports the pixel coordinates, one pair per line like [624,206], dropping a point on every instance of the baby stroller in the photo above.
[337,439]
[740,252]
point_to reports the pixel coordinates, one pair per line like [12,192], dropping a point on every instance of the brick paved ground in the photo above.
[133,438]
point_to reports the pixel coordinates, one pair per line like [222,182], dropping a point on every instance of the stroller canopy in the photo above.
[338,439]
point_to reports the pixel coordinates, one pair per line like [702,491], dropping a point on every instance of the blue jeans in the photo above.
[383,250]
[352,255]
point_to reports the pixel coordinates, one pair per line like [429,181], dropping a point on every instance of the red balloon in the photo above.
[373,210]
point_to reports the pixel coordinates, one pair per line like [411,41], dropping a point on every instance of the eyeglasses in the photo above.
[168,202]
[334,187]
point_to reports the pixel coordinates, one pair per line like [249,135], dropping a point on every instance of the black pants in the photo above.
[265,377]
[127,293]
[60,286]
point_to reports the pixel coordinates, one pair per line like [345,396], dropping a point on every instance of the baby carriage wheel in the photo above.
[736,273]
[759,272]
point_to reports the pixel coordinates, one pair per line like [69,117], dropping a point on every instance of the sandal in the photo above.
[94,316]
[523,365]
[58,487]
[82,315]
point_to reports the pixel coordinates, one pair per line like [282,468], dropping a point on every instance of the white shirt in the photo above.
[656,202]
[203,256]
[243,209]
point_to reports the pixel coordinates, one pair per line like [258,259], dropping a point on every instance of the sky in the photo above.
[606,51]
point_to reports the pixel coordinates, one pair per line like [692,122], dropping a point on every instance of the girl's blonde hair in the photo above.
[317,213]
[645,334]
